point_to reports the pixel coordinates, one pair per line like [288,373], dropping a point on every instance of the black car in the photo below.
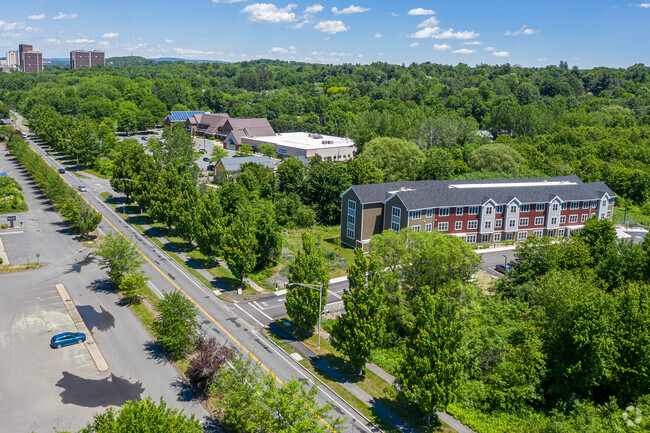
[206,159]
[211,167]
[62,170]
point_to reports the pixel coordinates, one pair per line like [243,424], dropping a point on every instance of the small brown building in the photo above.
[31,61]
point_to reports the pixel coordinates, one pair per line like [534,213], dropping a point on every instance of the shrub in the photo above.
[207,363]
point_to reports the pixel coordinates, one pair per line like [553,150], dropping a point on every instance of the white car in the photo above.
[82,188]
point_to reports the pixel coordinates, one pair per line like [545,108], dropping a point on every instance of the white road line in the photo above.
[101,232]
[280,292]
[261,324]
[258,308]
[155,288]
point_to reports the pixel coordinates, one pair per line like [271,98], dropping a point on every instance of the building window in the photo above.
[594,203]
[458,225]
[498,223]
[429,213]
[352,216]
[522,236]
[512,223]
[573,218]
[560,233]
[396,219]
[443,227]
[472,210]
[555,207]
[472,225]
[539,221]
[513,208]
[488,210]
[603,203]
[564,206]
[416,214]
[510,236]
[471,239]
[416,228]
[575,205]
[496,237]
[550,233]
[540,207]
[602,216]
[459,211]
[443,211]
[584,217]
[485,239]
[585,205]
[538,233]
[488,225]
[609,214]
[562,219]
[553,221]
[524,208]
[500,208]
[428,227]
[523,221]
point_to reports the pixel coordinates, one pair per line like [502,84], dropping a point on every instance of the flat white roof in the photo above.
[510,185]
[305,140]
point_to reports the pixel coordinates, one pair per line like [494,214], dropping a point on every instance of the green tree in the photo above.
[268,149]
[599,235]
[323,186]
[87,220]
[258,179]
[176,148]
[308,267]
[141,416]
[363,172]
[175,325]
[431,371]
[118,256]
[361,328]
[438,165]
[398,159]
[238,248]
[132,285]
[290,175]
[496,158]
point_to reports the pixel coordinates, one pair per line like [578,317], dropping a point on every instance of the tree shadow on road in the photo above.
[155,352]
[183,389]
[102,286]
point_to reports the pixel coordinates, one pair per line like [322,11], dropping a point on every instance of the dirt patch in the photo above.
[484,281]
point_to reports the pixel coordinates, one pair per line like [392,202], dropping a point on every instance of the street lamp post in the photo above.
[505,262]
[318,287]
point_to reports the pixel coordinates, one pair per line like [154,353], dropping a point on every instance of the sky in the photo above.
[584,33]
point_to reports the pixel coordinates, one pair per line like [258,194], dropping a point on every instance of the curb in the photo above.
[93,349]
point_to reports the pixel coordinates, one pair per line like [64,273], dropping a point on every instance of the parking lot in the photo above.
[37,376]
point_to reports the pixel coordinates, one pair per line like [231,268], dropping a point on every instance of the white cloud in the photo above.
[542,59]
[441,47]
[500,54]
[300,25]
[36,17]
[110,35]
[80,41]
[52,41]
[522,31]
[169,41]
[438,33]
[414,45]
[10,26]
[472,43]
[489,49]
[62,16]
[463,51]
[352,9]
[331,53]
[281,50]
[227,1]
[331,27]
[313,9]
[642,5]
[421,11]
[429,22]
[103,43]
[270,13]
[377,35]
[196,53]
[394,14]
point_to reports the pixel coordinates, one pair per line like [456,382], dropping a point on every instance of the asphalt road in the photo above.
[43,388]
[233,323]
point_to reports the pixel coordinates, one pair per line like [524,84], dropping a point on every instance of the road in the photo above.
[231,322]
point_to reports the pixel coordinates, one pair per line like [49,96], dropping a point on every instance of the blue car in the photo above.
[67,339]
[502,268]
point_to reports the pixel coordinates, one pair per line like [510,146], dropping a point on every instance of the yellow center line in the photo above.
[248,352]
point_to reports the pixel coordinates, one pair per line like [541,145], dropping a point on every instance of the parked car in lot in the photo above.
[67,339]
[206,159]
[210,167]
[503,268]
[62,170]
[82,188]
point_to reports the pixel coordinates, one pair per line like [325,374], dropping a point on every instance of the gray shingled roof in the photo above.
[234,164]
[438,193]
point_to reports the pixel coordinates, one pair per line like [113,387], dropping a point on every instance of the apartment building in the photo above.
[479,211]
[86,59]
[22,48]
[31,61]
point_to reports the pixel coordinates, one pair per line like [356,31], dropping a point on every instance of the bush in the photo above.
[4,226]
[207,363]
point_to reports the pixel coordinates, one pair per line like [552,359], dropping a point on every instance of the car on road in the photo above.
[502,268]
[67,339]
[144,138]
[206,159]
[82,188]
[62,170]
[210,167]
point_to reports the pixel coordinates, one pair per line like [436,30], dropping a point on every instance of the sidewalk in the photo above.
[355,390]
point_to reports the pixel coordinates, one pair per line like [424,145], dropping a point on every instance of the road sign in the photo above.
[11,218]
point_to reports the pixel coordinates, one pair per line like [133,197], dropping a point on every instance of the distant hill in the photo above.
[140,61]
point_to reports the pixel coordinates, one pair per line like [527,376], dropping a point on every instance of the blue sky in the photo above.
[583,33]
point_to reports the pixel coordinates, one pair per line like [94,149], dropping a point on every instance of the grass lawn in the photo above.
[374,385]
[14,268]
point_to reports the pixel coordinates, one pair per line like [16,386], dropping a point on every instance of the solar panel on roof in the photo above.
[181,116]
